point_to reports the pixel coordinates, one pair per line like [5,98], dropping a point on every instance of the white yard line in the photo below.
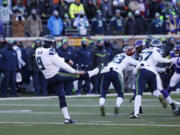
[74,96]
[93,124]
[77,113]
[56,105]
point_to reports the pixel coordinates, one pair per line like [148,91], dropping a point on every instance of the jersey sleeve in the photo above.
[174,60]
[60,62]
[132,61]
[157,56]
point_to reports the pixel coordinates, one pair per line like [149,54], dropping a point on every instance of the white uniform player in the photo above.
[147,74]
[50,63]
[113,72]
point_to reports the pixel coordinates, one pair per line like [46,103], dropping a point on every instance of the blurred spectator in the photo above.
[10,63]
[81,23]
[85,63]
[33,5]
[55,24]
[169,46]
[154,7]
[45,10]
[18,23]
[142,8]
[62,8]
[16,47]
[173,24]
[100,57]
[117,23]
[33,25]
[130,25]
[90,10]
[158,26]
[67,52]
[67,23]
[19,6]
[106,9]
[2,44]
[133,5]
[75,8]
[39,81]
[120,4]
[168,8]
[5,13]
[178,7]
[98,26]
[141,24]
[109,47]
[1,28]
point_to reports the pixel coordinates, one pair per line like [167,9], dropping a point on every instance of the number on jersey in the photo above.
[118,59]
[146,55]
[40,63]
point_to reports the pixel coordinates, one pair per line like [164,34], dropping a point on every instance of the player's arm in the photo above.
[157,56]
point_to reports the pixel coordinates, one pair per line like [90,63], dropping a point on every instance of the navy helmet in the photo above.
[139,45]
[176,50]
[156,43]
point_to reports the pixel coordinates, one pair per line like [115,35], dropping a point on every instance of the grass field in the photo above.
[43,117]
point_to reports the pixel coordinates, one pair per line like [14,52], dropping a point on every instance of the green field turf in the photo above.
[43,117]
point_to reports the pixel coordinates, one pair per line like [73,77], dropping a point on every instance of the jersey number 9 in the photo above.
[40,63]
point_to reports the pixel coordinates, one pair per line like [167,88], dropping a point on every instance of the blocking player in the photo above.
[147,74]
[113,72]
[176,62]
[50,63]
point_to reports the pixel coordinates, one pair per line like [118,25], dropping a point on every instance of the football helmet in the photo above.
[138,45]
[176,50]
[156,43]
[49,41]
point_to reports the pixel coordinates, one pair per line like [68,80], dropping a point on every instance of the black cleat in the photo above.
[162,101]
[102,109]
[176,112]
[133,116]
[116,109]
[69,121]
[140,110]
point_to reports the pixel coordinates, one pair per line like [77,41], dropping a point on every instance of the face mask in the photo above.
[5,5]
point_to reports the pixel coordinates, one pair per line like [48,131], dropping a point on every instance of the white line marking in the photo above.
[74,96]
[56,105]
[77,113]
[93,124]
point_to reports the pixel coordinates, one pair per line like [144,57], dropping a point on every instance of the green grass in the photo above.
[43,117]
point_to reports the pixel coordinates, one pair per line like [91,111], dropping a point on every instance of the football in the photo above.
[130,51]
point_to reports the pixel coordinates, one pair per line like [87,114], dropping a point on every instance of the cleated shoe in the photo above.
[116,109]
[69,121]
[176,112]
[102,109]
[162,101]
[133,116]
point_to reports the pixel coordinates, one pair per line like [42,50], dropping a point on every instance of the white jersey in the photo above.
[50,63]
[119,63]
[150,57]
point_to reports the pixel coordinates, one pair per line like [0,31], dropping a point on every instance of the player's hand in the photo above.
[80,72]
[71,62]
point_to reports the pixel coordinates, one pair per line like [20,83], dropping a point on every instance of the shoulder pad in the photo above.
[52,51]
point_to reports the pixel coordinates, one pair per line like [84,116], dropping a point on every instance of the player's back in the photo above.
[121,61]
[44,58]
[176,62]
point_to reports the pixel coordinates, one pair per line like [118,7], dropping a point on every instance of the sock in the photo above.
[102,101]
[137,103]
[156,93]
[65,113]
[173,106]
[93,72]
[165,93]
[169,100]
[119,101]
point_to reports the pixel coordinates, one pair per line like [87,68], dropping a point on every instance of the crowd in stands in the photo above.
[89,17]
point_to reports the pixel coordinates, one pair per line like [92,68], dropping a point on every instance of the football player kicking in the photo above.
[113,72]
[50,64]
[147,74]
